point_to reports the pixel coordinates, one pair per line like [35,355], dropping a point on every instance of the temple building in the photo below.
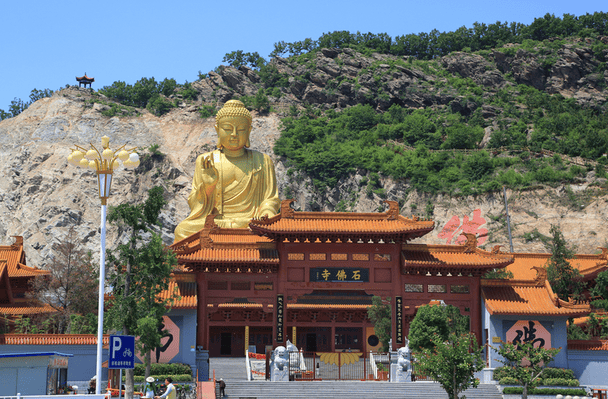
[310,276]
[15,277]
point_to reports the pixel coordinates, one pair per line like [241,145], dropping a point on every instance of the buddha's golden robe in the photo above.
[246,189]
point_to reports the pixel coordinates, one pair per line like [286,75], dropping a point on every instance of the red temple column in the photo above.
[202,339]
[476,310]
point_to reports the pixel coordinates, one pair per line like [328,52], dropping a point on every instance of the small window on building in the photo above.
[360,257]
[382,257]
[262,286]
[438,288]
[217,285]
[459,289]
[414,288]
[339,257]
[318,256]
[295,256]
[240,285]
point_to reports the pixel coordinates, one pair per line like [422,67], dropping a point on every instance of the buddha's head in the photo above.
[233,125]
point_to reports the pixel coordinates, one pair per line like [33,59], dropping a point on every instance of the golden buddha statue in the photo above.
[234,182]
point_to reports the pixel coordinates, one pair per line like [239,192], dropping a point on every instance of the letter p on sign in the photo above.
[116,345]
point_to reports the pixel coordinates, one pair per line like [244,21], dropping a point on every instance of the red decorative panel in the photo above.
[295,274]
[295,256]
[363,257]
[382,275]
[339,257]
[318,256]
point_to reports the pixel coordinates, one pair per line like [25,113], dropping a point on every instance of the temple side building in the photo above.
[15,277]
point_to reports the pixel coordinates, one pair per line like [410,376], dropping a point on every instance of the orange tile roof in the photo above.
[588,345]
[216,249]
[231,255]
[24,308]
[51,339]
[324,226]
[15,260]
[421,258]
[522,267]
[528,300]
[186,290]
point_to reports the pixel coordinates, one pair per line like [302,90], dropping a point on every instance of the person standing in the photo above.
[222,385]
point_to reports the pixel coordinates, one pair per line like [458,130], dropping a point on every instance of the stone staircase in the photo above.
[349,390]
[232,370]
[228,368]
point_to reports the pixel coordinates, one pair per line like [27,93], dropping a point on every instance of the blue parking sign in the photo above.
[122,352]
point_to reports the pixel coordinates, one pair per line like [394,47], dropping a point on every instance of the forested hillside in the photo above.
[404,107]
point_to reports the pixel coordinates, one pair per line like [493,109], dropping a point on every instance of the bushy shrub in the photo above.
[508,381]
[544,391]
[163,369]
[560,382]
[553,372]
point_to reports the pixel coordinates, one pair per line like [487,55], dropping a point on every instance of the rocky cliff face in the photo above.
[42,196]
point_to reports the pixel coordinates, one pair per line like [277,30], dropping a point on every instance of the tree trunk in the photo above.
[129,383]
[524,394]
[148,360]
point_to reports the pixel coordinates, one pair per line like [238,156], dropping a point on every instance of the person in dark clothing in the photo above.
[222,385]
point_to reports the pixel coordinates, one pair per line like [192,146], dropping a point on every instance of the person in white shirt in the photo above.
[170,393]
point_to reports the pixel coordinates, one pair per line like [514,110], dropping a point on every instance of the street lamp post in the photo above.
[104,163]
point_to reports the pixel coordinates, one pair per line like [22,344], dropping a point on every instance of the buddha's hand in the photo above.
[209,175]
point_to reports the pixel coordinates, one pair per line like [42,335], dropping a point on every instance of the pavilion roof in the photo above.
[388,226]
[454,259]
[85,77]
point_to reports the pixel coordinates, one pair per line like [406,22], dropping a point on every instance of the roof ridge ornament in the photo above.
[393,210]
[604,254]
[287,211]
[210,227]
[496,250]
[471,244]
[18,242]
[541,275]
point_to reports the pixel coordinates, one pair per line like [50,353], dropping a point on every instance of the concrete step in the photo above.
[350,390]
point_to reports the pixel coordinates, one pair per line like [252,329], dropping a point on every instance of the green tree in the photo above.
[261,102]
[565,280]
[452,362]
[436,319]
[525,362]
[380,316]
[141,269]
[600,291]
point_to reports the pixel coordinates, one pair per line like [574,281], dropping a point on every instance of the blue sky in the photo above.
[46,44]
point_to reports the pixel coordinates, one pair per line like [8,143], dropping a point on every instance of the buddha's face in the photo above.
[233,132]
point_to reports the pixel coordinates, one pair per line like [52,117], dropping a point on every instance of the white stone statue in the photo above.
[404,364]
[279,369]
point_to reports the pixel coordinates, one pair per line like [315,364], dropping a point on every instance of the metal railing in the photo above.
[309,366]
